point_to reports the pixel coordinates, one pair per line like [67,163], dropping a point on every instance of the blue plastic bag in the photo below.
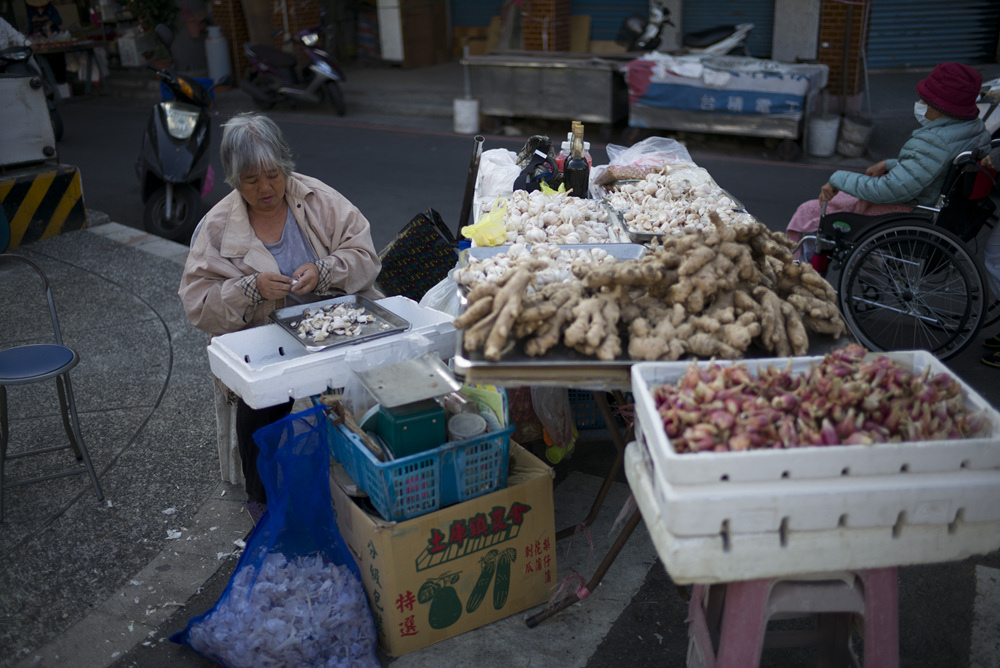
[295,598]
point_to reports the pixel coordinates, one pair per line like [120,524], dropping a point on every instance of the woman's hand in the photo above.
[305,278]
[986,162]
[878,169]
[273,286]
[827,192]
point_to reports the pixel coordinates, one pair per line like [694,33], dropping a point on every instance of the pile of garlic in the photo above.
[556,217]
[304,611]
[338,320]
[558,263]
[674,199]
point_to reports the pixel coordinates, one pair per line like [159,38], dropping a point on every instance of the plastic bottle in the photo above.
[564,152]
[576,174]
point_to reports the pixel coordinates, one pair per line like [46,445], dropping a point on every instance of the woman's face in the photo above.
[263,190]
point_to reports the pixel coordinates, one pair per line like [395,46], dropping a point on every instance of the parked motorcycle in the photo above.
[173,166]
[19,61]
[272,76]
[639,33]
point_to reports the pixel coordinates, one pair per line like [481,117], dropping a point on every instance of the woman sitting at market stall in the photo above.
[949,124]
[278,236]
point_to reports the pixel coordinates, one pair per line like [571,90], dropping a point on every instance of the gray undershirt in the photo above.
[292,251]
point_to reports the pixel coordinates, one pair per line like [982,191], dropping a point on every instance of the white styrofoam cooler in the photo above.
[718,517]
[778,465]
[713,558]
[267,365]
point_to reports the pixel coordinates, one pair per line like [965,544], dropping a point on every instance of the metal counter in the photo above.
[559,85]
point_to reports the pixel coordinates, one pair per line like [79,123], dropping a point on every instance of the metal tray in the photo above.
[646,237]
[386,323]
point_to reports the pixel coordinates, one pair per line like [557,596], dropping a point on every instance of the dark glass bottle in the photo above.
[576,173]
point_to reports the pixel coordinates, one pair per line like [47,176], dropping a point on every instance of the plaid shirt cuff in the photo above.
[325,278]
[248,285]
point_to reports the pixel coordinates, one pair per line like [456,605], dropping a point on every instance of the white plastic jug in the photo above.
[217,54]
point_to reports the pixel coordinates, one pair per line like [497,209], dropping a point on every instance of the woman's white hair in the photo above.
[252,142]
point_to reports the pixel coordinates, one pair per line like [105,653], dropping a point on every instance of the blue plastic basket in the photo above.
[586,415]
[426,481]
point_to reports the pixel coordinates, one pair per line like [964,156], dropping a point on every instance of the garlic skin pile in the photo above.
[304,611]
[558,263]
[339,320]
[557,218]
[675,199]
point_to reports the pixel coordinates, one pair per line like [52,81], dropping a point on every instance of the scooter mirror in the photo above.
[165,34]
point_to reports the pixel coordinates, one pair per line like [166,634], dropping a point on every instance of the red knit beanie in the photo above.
[952,89]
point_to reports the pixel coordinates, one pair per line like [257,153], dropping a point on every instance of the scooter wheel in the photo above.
[184,216]
[335,96]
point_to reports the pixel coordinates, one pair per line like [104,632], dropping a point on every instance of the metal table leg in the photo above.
[595,579]
[620,439]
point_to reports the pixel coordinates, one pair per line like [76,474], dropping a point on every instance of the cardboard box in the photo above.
[420,574]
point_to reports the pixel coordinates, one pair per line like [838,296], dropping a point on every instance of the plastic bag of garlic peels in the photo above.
[296,597]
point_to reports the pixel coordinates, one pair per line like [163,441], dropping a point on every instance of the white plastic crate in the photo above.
[728,556]
[267,366]
[826,462]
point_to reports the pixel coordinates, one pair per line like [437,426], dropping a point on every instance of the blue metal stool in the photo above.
[33,363]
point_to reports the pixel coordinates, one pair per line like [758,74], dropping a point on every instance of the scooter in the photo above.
[173,166]
[638,33]
[18,60]
[272,76]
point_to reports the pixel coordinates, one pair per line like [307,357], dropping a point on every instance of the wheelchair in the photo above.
[911,281]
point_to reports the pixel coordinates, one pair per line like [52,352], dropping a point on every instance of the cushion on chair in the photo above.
[31,363]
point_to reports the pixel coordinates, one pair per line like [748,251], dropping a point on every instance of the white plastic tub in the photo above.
[728,556]
[828,462]
[267,366]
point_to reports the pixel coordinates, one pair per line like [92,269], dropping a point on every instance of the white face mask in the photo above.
[920,112]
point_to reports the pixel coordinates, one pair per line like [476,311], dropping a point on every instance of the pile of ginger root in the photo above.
[699,293]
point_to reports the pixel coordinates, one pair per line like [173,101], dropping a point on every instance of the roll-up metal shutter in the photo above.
[702,14]
[923,33]
[606,18]
[473,12]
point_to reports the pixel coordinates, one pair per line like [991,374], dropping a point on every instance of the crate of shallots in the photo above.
[846,414]
[853,440]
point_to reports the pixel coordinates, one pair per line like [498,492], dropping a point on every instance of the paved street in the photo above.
[395,168]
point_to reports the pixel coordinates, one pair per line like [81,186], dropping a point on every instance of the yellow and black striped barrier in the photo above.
[38,203]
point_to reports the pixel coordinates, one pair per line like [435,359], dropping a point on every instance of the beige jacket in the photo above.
[219,285]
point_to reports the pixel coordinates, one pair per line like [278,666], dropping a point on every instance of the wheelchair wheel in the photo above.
[913,287]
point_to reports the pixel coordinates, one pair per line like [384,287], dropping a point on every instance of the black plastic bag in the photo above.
[418,258]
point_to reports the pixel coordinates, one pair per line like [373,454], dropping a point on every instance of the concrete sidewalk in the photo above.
[105,583]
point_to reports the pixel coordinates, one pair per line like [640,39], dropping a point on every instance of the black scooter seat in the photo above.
[708,37]
[272,56]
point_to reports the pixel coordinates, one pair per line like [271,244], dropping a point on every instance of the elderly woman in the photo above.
[278,236]
[949,124]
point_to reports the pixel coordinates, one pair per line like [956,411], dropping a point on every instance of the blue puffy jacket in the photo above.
[917,175]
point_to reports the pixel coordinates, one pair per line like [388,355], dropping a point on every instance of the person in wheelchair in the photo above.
[949,124]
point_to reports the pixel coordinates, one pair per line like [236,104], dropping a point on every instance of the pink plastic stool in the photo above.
[733,618]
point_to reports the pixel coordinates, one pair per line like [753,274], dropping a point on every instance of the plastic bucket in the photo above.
[855,132]
[466,116]
[823,135]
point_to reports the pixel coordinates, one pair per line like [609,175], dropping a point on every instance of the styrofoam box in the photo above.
[786,465]
[267,365]
[718,557]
